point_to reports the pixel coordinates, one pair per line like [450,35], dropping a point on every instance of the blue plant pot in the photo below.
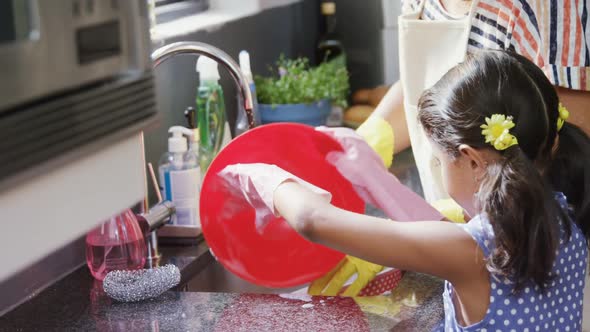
[310,114]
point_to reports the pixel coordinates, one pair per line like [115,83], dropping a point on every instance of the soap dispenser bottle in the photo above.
[210,111]
[180,177]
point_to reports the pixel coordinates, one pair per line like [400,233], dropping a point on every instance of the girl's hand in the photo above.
[299,205]
[257,183]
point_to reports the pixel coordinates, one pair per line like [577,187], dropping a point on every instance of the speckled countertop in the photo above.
[77,303]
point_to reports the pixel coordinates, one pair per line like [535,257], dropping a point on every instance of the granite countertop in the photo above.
[78,303]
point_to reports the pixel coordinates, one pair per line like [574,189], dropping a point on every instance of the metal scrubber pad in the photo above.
[133,286]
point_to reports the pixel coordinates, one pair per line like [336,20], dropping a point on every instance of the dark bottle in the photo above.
[329,46]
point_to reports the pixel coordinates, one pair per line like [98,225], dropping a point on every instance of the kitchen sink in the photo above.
[215,278]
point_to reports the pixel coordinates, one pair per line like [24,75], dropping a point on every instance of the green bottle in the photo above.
[210,111]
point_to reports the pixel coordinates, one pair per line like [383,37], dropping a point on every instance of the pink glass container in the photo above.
[117,244]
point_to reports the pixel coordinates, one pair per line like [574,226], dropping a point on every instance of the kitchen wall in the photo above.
[291,30]
[359,25]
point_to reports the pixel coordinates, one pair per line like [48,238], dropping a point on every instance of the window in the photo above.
[173,18]
[202,3]
[168,10]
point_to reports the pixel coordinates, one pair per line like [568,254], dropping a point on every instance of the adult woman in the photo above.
[435,35]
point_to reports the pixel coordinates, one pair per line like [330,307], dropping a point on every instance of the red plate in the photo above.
[279,257]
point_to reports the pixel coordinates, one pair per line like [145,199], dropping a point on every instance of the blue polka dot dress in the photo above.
[557,308]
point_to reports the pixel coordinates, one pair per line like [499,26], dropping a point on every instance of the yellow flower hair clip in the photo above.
[563,116]
[497,132]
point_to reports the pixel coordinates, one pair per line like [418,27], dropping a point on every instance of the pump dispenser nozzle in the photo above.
[177,143]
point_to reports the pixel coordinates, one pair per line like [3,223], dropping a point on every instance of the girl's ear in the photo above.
[476,158]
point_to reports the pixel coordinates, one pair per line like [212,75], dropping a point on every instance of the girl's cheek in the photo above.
[449,180]
[459,188]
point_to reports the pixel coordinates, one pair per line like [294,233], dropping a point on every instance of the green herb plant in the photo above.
[293,81]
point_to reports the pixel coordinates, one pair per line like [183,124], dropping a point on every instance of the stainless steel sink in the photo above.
[215,278]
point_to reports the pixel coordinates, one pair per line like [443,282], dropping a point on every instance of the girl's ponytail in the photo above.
[568,166]
[514,196]
[569,172]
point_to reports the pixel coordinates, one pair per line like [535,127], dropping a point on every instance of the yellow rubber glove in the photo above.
[450,209]
[379,135]
[331,284]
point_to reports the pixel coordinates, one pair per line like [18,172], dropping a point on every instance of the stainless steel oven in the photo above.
[71,72]
[76,90]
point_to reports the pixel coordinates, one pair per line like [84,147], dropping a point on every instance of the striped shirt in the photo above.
[554,34]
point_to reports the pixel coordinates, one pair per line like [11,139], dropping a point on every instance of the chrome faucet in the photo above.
[168,51]
[161,212]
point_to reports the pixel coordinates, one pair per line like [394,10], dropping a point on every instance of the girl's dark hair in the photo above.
[569,171]
[514,195]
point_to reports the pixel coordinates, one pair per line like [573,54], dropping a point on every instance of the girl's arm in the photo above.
[438,248]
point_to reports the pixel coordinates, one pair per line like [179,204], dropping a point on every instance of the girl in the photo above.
[519,264]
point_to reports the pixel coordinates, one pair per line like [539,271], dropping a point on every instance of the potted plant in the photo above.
[299,93]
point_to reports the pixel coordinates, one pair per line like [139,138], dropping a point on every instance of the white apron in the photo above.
[427,50]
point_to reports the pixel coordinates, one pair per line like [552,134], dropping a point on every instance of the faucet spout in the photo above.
[168,51]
